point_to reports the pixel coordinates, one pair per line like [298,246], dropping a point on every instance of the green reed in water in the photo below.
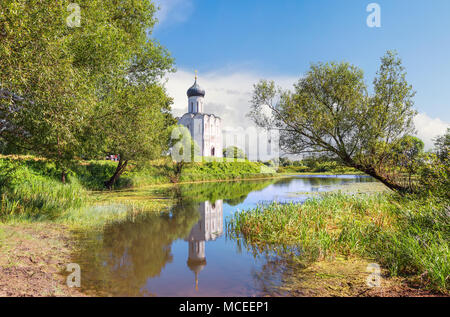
[404,234]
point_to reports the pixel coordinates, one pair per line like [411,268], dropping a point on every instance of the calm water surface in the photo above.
[186,252]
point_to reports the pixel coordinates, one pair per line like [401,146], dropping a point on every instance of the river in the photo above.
[185,251]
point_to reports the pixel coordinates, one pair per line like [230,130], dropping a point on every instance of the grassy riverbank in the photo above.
[407,236]
[46,224]
[30,187]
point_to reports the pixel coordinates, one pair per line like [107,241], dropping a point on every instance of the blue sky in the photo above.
[239,40]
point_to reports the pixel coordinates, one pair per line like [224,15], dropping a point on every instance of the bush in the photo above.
[233,152]
[25,193]
[434,177]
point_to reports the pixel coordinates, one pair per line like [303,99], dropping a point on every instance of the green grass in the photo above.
[30,189]
[224,170]
[408,236]
[27,194]
[318,167]
[92,174]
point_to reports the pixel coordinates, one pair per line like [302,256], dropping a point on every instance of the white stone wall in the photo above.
[206,131]
[213,136]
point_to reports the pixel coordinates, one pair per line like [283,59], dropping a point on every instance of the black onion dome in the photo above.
[196,90]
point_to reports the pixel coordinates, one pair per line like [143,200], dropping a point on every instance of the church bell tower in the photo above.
[196,96]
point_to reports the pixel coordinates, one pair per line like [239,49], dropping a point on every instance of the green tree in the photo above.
[234,152]
[60,85]
[434,169]
[406,155]
[442,146]
[134,125]
[331,112]
[43,95]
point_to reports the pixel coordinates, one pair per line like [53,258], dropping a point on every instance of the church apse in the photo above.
[209,228]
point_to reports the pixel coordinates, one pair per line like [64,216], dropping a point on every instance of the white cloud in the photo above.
[228,94]
[173,11]
[428,128]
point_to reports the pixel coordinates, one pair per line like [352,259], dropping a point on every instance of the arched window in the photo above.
[213,151]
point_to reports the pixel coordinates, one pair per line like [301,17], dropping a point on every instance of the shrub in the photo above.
[27,194]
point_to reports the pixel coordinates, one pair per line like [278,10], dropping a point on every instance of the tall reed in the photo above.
[406,235]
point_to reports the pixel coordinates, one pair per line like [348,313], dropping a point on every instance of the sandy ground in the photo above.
[32,260]
[347,277]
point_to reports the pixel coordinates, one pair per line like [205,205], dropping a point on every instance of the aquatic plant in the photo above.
[406,235]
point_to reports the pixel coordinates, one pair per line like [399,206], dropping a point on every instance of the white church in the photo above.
[205,129]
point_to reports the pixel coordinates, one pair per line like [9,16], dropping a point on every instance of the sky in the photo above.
[234,43]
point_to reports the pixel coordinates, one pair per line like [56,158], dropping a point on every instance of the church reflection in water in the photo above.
[209,228]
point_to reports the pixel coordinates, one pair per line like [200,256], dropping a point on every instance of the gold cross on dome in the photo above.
[195,74]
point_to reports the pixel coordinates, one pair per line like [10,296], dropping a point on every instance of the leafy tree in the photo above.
[284,161]
[43,95]
[330,111]
[406,155]
[442,146]
[409,147]
[56,80]
[434,169]
[434,177]
[134,125]
[233,152]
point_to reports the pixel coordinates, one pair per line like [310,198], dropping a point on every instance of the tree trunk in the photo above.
[371,172]
[119,170]
[63,176]
[177,169]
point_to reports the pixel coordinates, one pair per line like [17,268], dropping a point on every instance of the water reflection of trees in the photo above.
[134,250]
[323,180]
[120,259]
[232,193]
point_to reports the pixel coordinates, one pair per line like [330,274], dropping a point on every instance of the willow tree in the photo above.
[330,111]
[132,117]
[133,123]
[43,95]
[442,146]
[56,75]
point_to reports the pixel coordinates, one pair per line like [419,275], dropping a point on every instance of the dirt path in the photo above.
[32,258]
